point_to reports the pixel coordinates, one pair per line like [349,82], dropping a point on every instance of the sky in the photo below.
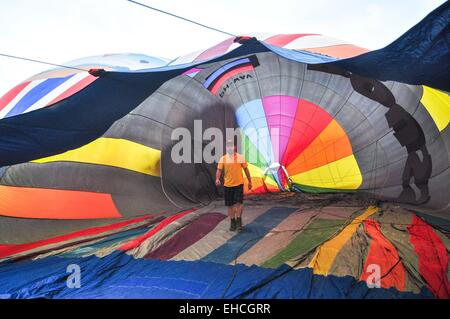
[60,31]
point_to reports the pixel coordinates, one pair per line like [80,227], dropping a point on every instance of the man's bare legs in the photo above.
[239,209]
[232,211]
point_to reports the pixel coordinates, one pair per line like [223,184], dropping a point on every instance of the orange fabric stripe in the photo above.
[384,254]
[26,202]
[331,145]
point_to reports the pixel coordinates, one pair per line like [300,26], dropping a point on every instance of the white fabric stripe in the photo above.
[188,58]
[261,36]
[19,96]
[314,41]
[231,48]
[57,91]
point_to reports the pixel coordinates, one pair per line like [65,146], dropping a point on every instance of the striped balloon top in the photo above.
[52,86]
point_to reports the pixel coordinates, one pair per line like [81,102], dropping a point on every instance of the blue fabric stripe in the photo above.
[191,75]
[223,70]
[252,119]
[35,94]
[300,55]
[121,276]
[251,234]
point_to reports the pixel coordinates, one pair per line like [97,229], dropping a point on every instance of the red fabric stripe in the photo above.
[74,89]
[187,236]
[383,253]
[310,120]
[216,50]
[281,40]
[258,190]
[433,257]
[8,97]
[226,76]
[167,221]
[9,250]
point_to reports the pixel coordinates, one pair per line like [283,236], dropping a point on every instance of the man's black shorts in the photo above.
[234,195]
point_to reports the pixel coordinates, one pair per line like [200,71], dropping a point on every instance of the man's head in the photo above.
[230,147]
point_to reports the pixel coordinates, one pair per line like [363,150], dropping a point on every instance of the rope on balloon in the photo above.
[42,62]
[181,18]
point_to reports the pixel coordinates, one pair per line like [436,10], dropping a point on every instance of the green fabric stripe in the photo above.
[435,221]
[250,151]
[318,190]
[316,232]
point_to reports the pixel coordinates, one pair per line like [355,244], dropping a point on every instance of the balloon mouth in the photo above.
[275,166]
[281,175]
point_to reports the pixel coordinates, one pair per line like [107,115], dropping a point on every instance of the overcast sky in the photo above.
[60,31]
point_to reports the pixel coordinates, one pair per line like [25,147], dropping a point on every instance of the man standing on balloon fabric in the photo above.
[232,164]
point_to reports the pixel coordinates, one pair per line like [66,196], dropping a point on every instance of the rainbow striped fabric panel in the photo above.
[329,241]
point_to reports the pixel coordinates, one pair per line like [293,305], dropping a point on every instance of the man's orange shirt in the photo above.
[232,166]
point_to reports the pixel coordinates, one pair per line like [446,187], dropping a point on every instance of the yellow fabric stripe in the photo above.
[341,174]
[325,255]
[257,172]
[113,152]
[437,104]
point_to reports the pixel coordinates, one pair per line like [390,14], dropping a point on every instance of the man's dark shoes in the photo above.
[239,224]
[233,224]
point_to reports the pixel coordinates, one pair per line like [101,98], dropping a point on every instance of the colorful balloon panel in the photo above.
[309,121]
[279,112]
[331,144]
[340,174]
[278,121]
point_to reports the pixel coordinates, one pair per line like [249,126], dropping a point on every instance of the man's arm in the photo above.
[218,174]
[247,173]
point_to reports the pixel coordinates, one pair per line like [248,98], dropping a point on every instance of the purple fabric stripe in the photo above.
[224,69]
[186,237]
[280,113]
[193,70]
